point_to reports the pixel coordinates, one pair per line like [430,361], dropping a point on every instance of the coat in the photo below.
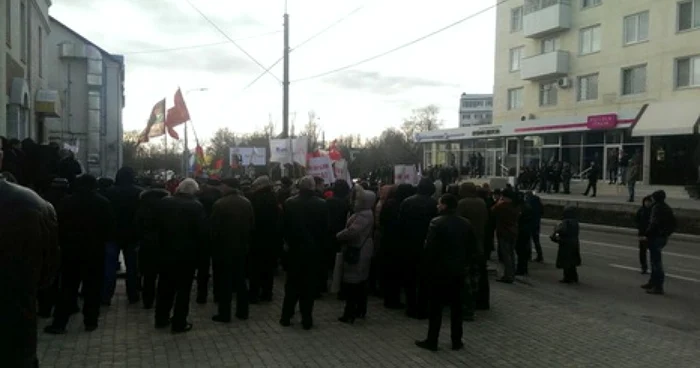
[125,199]
[358,234]
[305,221]
[473,209]
[566,235]
[180,221]
[450,249]
[232,222]
[267,230]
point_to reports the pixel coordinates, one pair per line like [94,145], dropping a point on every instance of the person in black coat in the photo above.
[535,204]
[523,247]
[662,223]
[147,235]
[86,222]
[338,210]
[641,219]
[266,240]
[415,215]
[305,218]
[393,254]
[450,247]
[207,196]
[180,221]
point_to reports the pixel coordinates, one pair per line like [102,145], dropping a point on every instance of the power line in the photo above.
[312,37]
[419,39]
[197,45]
[230,39]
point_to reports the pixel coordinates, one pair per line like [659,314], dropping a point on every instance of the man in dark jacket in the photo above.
[181,228]
[536,208]
[338,209]
[414,218]
[29,255]
[266,240]
[124,197]
[662,223]
[506,214]
[450,247]
[209,193]
[86,222]
[593,176]
[232,222]
[474,209]
[305,218]
[147,235]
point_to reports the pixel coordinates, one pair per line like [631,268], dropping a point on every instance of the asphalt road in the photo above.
[606,321]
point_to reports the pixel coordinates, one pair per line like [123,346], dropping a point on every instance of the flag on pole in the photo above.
[178,114]
[155,127]
[200,160]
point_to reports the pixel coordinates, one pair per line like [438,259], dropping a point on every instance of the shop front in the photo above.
[502,150]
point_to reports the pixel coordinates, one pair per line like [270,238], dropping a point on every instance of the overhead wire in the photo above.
[403,46]
[231,40]
[201,45]
[307,40]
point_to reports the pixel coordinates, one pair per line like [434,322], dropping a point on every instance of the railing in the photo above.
[505,170]
[581,174]
[532,6]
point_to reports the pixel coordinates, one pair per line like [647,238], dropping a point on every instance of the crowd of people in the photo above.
[418,249]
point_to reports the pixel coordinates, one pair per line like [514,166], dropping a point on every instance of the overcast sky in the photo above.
[361,100]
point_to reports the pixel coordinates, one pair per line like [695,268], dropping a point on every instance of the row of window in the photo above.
[634,81]
[484,116]
[475,104]
[24,34]
[688,18]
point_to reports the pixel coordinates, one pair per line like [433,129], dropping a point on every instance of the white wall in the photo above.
[664,45]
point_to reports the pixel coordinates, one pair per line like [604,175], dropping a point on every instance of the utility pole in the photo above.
[285,80]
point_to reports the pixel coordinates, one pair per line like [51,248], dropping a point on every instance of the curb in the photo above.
[622,230]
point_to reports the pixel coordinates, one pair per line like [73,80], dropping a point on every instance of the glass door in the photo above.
[611,162]
[493,162]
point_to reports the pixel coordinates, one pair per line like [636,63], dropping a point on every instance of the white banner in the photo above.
[340,169]
[256,155]
[405,174]
[321,167]
[280,150]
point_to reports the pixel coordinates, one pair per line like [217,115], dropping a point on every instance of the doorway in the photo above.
[493,162]
[611,162]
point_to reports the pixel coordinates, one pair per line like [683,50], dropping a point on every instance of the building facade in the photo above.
[475,109]
[24,96]
[90,82]
[583,81]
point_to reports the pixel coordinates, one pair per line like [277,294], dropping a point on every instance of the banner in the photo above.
[280,150]
[321,167]
[405,174]
[340,170]
[254,155]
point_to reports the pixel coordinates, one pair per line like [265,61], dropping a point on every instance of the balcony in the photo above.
[551,65]
[545,17]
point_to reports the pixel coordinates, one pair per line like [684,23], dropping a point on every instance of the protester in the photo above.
[181,228]
[29,258]
[450,246]
[506,215]
[306,233]
[662,223]
[232,224]
[473,208]
[537,209]
[266,240]
[86,222]
[641,219]
[358,248]
[208,194]
[338,211]
[566,234]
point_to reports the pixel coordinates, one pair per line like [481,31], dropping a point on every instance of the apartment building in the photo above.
[590,81]
[475,109]
[24,94]
[90,82]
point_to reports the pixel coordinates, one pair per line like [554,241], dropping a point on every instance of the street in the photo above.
[606,321]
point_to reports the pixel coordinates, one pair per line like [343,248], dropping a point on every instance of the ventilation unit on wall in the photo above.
[564,83]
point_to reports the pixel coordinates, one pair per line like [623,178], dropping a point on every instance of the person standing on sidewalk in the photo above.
[450,249]
[662,223]
[631,179]
[642,221]
[566,234]
[537,209]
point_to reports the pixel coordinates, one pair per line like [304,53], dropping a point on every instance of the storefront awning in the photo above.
[48,103]
[668,118]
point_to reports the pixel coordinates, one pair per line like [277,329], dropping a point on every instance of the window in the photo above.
[688,72]
[590,40]
[688,15]
[8,23]
[550,44]
[634,80]
[466,116]
[516,56]
[548,94]
[515,98]
[472,104]
[40,52]
[590,3]
[23,29]
[516,19]
[587,87]
[636,28]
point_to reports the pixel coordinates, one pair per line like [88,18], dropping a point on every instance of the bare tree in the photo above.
[422,120]
[312,130]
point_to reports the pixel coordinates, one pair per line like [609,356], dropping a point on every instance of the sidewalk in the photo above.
[617,200]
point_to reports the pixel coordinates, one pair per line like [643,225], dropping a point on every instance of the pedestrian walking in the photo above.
[662,223]
[642,221]
[566,234]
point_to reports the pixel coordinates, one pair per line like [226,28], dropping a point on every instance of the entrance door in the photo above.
[611,162]
[493,162]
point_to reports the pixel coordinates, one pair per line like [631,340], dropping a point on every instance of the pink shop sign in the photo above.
[605,121]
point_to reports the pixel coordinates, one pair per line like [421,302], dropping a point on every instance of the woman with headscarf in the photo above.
[566,234]
[358,249]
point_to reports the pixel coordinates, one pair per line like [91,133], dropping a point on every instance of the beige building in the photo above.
[24,98]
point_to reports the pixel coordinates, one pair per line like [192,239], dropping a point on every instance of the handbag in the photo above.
[351,255]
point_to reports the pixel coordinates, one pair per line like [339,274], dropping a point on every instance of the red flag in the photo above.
[199,159]
[171,132]
[219,164]
[333,151]
[178,114]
